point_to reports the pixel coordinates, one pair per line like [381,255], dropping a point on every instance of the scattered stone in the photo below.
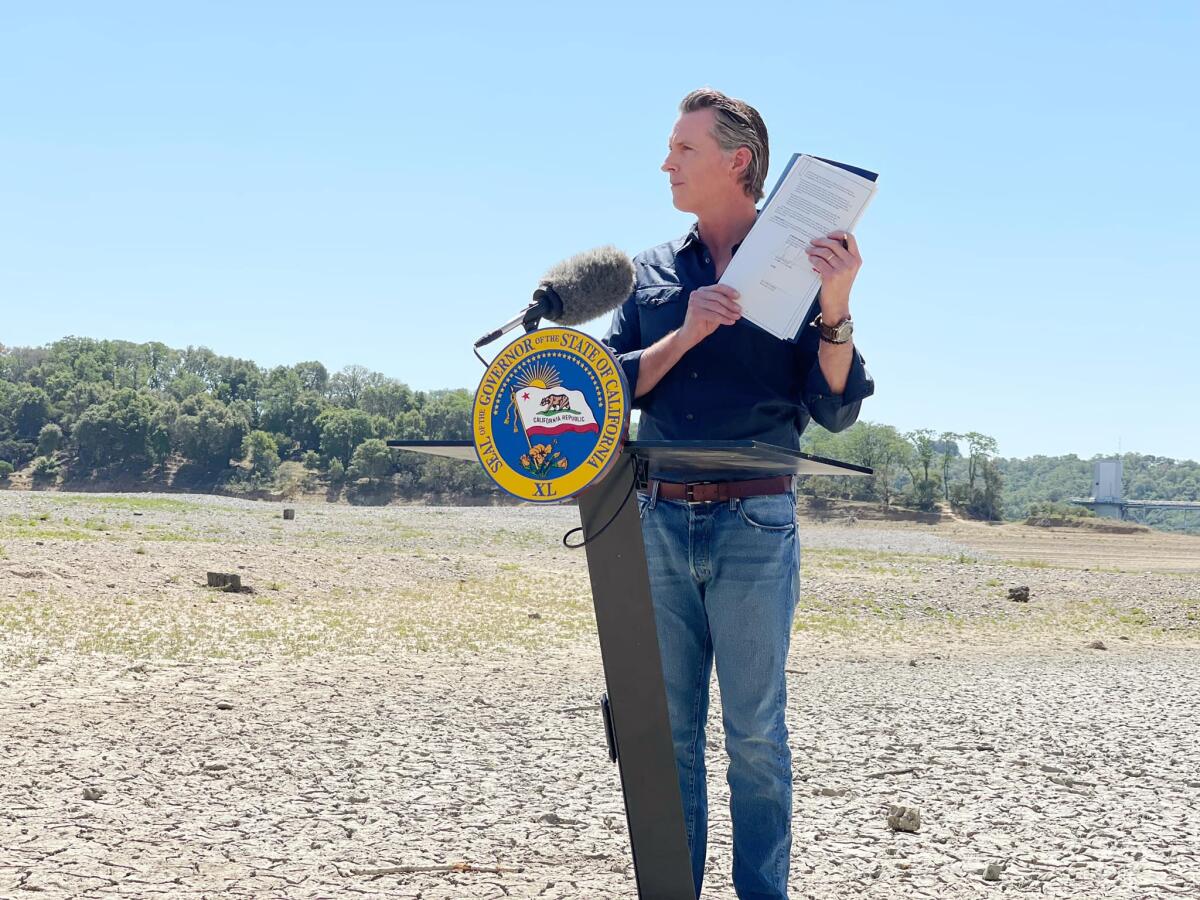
[289,514]
[904,818]
[1097,645]
[93,793]
[1019,594]
[214,766]
[830,792]
[992,872]
[224,704]
[535,615]
[555,819]
[913,663]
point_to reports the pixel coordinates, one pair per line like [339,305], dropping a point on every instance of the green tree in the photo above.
[208,432]
[313,376]
[372,459]
[342,430]
[921,460]
[980,448]
[260,451]
[28,410]
[50,439]
[337,471]
[948,442]
[117,432]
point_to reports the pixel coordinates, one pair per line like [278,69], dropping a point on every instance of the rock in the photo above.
[992,872]
[555,819]
[1019,594]
[904,818]
[830,792]
[535,615]
[215,766]
[224,704]
[1096,645]
[93,793]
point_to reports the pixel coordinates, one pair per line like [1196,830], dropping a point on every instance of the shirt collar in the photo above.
[693,236]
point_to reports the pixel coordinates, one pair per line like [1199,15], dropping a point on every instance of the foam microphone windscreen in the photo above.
[590,284]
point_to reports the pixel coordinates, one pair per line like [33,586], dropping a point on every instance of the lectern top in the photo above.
[681,456]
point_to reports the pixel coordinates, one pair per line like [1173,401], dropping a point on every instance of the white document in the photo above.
[770,270]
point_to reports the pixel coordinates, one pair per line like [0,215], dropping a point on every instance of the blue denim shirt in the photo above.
[740,382]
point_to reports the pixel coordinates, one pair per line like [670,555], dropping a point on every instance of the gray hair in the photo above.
[736,124]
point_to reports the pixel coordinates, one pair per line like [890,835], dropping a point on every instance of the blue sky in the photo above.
[379,184]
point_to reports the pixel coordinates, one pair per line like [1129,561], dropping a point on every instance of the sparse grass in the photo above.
[473,614]
[1029,563]
[129,502]
[460,585]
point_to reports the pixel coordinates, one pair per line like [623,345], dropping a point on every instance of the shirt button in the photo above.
[690,417]
[707,259]
[695,374]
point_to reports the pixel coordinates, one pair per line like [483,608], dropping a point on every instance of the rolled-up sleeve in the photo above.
[837,412]
[624,337]
[833,412]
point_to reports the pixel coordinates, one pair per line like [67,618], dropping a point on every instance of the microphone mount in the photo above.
[545,303]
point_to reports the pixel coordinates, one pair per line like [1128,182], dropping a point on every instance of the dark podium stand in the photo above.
[635,709]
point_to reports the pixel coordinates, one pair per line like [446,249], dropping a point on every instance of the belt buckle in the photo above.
[690,491]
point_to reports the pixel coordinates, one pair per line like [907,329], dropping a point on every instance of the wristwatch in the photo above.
[834,334]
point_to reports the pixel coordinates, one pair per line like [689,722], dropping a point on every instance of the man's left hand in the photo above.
[837,265]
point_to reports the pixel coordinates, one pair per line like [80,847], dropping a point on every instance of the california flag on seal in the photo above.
[551,411]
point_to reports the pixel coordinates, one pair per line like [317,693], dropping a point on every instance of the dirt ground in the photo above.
[404,707]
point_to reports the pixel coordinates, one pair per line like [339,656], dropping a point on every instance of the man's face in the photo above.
[702,176]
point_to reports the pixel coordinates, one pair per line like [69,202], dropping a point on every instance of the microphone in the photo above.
[575,291]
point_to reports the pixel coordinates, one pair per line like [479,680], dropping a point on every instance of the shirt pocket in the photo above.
[661,309]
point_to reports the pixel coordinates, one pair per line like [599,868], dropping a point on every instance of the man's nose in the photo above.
[667,165]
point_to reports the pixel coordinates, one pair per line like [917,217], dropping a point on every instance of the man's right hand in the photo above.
[708,309]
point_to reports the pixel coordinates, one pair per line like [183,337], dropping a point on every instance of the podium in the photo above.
[636,723]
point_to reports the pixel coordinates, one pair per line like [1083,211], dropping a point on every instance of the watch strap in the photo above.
[829,333]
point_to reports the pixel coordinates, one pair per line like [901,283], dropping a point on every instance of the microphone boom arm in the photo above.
[546,302]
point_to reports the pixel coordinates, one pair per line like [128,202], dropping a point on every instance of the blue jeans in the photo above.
[725,578]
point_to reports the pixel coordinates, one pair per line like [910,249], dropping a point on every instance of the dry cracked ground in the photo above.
[404,707]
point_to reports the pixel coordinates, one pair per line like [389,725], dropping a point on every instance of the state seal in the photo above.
[550,414]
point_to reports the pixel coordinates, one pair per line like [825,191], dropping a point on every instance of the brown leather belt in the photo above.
[712,491]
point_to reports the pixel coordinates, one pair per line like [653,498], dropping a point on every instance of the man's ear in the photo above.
[740,160]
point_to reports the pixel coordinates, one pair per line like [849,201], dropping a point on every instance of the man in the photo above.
[724,558]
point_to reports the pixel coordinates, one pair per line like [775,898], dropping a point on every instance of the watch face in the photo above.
[843,332]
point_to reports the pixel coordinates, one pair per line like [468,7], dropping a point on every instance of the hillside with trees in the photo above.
[88,413]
